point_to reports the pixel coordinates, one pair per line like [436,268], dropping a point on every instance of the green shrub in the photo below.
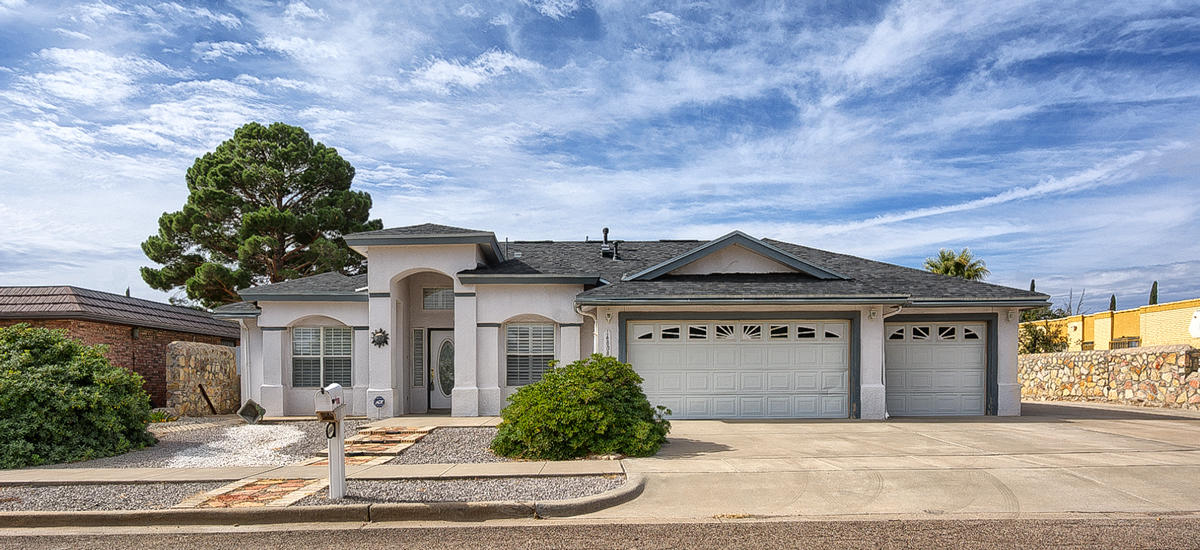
[159,416]
[62,401]
[592,406]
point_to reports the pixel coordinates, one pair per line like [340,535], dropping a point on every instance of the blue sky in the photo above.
[1058,140]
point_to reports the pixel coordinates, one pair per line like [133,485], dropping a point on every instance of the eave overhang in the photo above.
[486,241]
[527,279]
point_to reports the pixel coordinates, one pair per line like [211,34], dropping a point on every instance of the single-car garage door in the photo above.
[743,369]
[935,369]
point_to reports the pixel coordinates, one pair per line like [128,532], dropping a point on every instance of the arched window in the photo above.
[321,356]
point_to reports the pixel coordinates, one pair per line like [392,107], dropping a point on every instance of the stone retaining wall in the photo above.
[190,364]
[1160,376]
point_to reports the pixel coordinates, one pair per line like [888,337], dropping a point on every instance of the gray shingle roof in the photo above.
[237,309]
[867,280]
[69,302]
[421,230]
[865,277]
[332,283]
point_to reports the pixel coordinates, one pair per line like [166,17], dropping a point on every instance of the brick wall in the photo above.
[1168,327]
[145,355]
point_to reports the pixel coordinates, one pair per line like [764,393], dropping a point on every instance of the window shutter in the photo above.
[418,357]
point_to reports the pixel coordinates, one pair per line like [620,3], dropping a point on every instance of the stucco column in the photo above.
[607,332]
[464,400]
[568,346]
[1008,398]
[487,354]
[274,346]
[872,392]
[360,374]
[381,380]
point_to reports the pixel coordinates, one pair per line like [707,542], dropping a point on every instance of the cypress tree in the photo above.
[1112,303]
[1154,293]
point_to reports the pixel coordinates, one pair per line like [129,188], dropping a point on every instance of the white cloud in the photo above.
[442,75]
[72,34]
[467,10]
[555,9]
[91,77]
[300,10]
[214,51]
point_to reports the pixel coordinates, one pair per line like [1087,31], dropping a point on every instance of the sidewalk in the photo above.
[363,472]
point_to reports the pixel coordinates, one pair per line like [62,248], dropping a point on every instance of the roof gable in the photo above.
[731,252]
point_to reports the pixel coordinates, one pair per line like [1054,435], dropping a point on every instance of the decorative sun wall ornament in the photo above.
[379,338]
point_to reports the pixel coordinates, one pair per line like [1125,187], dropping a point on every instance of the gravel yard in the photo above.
[239,445]
[470,490]
[452,446]
[140,496]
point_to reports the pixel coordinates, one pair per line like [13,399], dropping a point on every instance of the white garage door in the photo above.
[936,368]
[743,369]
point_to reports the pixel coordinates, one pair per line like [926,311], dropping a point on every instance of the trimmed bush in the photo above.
[592,406]
[62,401]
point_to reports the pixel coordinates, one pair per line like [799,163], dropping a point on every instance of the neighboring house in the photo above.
[734,327]
[136,331]
[1155,325]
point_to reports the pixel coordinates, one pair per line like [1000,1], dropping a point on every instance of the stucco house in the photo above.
[448,318]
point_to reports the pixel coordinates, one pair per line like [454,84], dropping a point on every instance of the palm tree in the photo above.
[961,264]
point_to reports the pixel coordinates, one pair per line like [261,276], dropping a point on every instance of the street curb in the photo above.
[633,487]
[202,516]
[450,511]
[329,513]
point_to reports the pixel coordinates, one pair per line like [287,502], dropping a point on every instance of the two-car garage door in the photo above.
[744,369]
[800,368]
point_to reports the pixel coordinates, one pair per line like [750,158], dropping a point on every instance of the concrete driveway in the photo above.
[1057,458]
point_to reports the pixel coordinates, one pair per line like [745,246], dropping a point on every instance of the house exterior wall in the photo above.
[1102,331]
[1162,326]
[272,381]
[507,303]
[1153,325]
[146,354]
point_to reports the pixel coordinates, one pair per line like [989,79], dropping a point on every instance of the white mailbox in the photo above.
[330,403]
[330,406]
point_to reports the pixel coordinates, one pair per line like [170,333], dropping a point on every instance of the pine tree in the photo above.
[266,206]
[1112,303]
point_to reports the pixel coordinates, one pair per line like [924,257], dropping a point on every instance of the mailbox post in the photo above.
[330,405]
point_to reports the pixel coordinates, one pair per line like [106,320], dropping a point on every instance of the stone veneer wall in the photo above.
[1159,376]
[190,364]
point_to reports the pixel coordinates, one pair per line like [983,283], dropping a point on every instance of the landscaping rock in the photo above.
[470,490]
[77,497]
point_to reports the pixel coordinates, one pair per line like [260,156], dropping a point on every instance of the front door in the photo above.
[441,366]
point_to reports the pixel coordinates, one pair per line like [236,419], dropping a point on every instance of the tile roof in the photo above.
[69,302]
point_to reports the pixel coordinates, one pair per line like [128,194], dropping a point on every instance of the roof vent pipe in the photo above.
[606,249]
[605,235]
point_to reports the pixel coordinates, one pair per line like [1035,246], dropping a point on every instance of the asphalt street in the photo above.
[1152,532]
